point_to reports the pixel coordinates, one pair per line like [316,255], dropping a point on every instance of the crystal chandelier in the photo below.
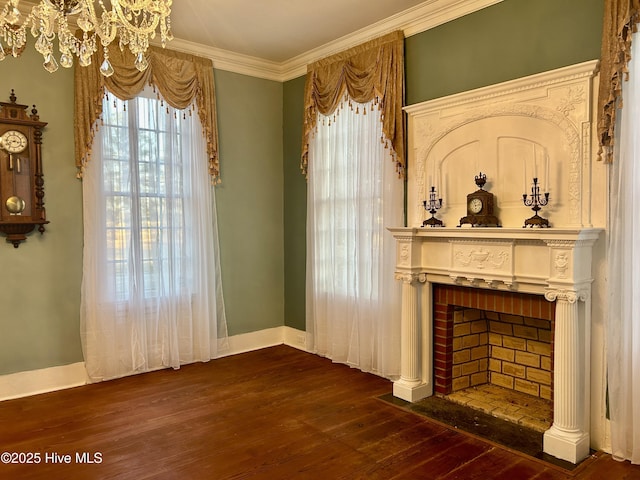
[132,22]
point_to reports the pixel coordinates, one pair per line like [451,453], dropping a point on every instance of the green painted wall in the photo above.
[250,201]
[295,205]
[512,39]
[40,297]
[508,40]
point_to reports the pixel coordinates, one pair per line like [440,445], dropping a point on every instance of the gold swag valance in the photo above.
[179,77]
[619,24]
[373,70]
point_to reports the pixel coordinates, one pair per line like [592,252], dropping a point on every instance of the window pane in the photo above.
[144,208]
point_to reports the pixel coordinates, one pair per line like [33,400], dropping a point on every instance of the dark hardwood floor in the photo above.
[277,413]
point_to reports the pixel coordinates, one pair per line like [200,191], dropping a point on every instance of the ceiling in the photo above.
[277,30]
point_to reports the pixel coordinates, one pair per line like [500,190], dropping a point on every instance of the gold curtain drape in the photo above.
[180,78]
[373,70]
[619,23]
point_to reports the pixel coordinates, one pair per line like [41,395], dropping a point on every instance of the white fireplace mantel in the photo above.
[552,262]
[540,126]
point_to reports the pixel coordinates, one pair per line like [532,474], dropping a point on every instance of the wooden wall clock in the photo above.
[21,179]
[480,206]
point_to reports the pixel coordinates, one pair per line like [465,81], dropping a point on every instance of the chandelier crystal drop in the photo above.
[132,22]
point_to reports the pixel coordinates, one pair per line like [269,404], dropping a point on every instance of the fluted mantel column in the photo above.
[409,331]
[410,387]
[568,437]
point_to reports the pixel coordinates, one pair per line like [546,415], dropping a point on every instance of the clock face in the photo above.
[14,141]
[475,205]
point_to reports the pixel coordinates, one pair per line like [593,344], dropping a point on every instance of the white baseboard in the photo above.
[269,337]
[33,382]
[296,338]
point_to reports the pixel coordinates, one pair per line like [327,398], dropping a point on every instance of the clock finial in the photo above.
[481,179]
[13,97]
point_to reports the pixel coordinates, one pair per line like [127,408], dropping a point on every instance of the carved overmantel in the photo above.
[555,263]
[537,126]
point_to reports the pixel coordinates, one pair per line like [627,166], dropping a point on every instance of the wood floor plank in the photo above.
[458,454]
[270,414]
[494,460]
[422,450]
[520,468]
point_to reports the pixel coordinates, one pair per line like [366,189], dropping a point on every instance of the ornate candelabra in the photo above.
[536,202]
[432,205]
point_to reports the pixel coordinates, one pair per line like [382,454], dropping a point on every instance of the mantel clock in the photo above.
[21,180]
[480,206]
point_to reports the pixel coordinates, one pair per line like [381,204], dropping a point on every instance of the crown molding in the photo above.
[427,16]
[231,61]
[412,21]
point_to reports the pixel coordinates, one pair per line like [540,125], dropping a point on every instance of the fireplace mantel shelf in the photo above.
[472,233]
[525,260]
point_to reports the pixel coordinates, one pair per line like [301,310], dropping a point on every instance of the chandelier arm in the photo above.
[126,23]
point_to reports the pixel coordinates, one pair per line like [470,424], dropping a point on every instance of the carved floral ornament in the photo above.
[561,264]
[482,258]
[405,253]
[575,96]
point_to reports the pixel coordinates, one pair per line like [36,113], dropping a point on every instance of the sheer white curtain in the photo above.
[151,289]
[623,335]
[354,193]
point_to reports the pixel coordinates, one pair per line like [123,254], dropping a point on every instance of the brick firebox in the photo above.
[484,336]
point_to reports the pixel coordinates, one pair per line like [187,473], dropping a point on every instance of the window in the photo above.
[144,195]
[347,176]
[354,193]
[151,290]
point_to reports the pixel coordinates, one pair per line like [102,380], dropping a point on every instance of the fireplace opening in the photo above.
[494,352]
